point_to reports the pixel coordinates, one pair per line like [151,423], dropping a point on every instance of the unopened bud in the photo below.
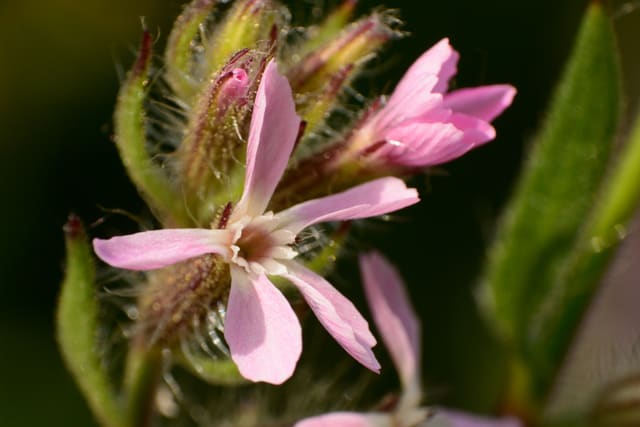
[329,28]
[247,25]
[178,299]
[209,152]
[320,76]
[181,54]
[354,45]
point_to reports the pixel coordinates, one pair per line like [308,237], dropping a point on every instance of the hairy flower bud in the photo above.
[181,54]
[214,135]
[320,74]
[248,25]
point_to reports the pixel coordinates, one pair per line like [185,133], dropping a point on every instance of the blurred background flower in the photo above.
[60,65]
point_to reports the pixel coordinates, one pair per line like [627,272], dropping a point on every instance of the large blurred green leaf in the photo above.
[77,326]
[553,201]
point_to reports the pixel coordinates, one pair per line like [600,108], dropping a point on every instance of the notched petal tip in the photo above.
[337,314]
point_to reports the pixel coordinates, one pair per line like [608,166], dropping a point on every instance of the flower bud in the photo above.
[248,25]
[355,44]
[178,299]
[181,54]
[320,75]
[207,156]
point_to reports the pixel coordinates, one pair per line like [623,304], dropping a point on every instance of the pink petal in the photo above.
[373,198]
[393,314]
[419,144]
[448,418]
[336,313]
[421,87]
[262,330]
[484,102]
[347,419]
[476,131]
[159,248]
[272,136]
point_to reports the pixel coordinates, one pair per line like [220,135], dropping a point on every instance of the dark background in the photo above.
[59,71]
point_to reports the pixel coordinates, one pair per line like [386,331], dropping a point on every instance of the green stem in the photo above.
[142,376]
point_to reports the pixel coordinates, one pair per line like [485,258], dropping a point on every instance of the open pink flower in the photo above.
[422,125]
[400,330]
[261,329]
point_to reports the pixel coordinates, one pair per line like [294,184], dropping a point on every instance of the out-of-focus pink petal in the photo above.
[448,418]
[373,198]
[393,315]
[262,330]
[159,248]
[272,136]
[484,102]
[336,313]
[347,419]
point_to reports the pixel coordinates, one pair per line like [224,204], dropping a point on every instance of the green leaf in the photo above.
[77,326]
[547,215]
[130,138]
[577,282]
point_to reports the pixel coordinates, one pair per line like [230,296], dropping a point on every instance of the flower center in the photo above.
[259,247]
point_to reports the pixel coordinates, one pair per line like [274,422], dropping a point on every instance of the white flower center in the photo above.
[259,247]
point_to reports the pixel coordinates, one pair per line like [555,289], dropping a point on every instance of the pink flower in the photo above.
[422,125]
[261,329]
[400,330]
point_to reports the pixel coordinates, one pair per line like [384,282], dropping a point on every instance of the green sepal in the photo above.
[130,138]
[546,217]
[218,372]
[180,57]
[324,261]
[77,328]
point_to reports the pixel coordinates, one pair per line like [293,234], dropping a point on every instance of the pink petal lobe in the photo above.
[272,136]
[149,250]
[346,419]
[476,131]
[420,89]
[440,61]
[337,314]
[449,418]
[484,102]
[373,198]
[393,315]
[262,331]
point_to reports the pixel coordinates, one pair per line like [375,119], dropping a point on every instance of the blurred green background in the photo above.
[60,63]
